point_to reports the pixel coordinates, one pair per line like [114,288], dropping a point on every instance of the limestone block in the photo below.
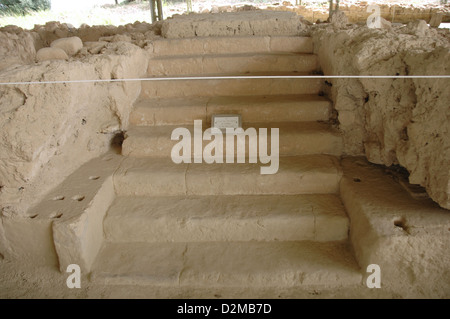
[70,45]
[339,19]
[418,28]
[224,218]
[436,19]
[227,264]
[385,24]
[46,54]
[95,47]
[408,238]
[71,215]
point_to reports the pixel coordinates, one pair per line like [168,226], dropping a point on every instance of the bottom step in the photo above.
[227,264]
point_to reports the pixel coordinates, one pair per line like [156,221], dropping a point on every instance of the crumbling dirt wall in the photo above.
[356,13]
[393,121]
[49,130]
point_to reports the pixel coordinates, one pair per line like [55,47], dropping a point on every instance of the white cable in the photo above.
[238,78]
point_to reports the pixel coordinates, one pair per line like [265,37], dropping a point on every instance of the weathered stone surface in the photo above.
[46,54]
[418,28]
[70,45]
[436,20]
[181,111]
[296,175]
[233,64]
[339,19]
[226,218]
[16,49]
[227,264]
[66,124]
[394,121]
[230,87]
[231,45]
[234,24]
[294,139]
[407,237]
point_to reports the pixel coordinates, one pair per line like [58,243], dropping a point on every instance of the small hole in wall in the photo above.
[58,198]
[56,215]
[33,216]
[357,180]
[94,178]
[401,223]
[78,198]
[117,141]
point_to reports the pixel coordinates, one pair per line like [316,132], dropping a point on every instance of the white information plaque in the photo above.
[224,121]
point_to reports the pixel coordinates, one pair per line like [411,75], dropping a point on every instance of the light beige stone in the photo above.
[181,111]
[339,19]
[226,218]
[436,19]
[230,87]
[294,139]
[17,48]
[296,175]
[232,45]
[70,45]
[395,121]
[407,237]
[227,264]
[232,64]
[64,132]
[46,54]
[234,24]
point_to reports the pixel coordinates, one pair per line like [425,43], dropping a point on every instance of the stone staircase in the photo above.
[226,225]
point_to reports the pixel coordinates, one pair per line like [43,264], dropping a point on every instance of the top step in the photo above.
[232,45]
[245,23]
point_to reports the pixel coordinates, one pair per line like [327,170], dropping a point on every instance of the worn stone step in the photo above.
[244,23]
[295,138]
[232,63]
[231,45]
[186,88]
[227,264]
[226,218]
[312,174]
[276,108]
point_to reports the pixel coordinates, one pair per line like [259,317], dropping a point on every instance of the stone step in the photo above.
[232,63]
[312,174]
[275,108]
[226,218]
[186,88]
[298,138]
[231,45]
[244,23]
[227,264]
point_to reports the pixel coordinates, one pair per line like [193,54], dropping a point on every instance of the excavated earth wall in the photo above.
[393,121]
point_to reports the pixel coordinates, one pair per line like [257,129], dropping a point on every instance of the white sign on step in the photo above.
[224,121]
